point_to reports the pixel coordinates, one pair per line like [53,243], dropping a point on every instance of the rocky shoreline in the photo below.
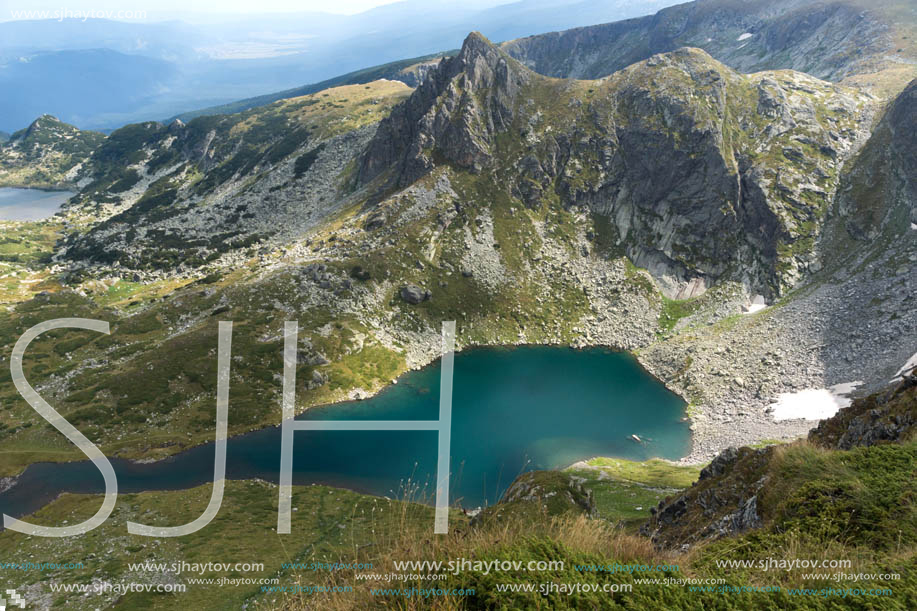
[8,482]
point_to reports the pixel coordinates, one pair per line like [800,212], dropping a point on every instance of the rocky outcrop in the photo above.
[719,465]
[883,417]
[726,498]
[454,114]
[413,294]
[723,502]
[544,494]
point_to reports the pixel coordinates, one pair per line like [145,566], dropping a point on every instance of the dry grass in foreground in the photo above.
[575,536]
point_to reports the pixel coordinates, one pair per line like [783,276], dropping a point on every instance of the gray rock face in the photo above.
[870,429]
[719,465]
[311,357]
[886,416]
[477,90]
[742,519]
[878,194]
[414,295]
[723,502]
[317,380]
[698,183]
[829,40]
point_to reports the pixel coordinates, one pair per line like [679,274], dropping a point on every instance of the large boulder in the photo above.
[413,294]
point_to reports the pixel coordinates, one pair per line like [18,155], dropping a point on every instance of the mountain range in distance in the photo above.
[101,74]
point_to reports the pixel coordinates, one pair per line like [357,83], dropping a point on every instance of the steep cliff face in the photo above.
[878,194]
[703,173]
[710,174]
[830,40]
[457,110]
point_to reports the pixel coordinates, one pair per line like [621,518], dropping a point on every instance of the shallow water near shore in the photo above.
[514,409]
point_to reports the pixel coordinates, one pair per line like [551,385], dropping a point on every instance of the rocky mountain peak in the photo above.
[831,40]
[676,151]
[455,113]
[48,153]
[44,120]
[483,63]
[45,124]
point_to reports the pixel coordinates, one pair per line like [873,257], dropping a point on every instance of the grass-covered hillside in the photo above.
[25,251]
[161,196]
[408,71]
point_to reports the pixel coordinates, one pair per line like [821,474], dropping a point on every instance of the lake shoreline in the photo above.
[699,432]
[8,482]
[490,438]
[46,188]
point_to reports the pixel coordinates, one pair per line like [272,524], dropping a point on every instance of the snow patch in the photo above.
[812,403]
[745,36]
[757,304]
[913,226]
[910,364]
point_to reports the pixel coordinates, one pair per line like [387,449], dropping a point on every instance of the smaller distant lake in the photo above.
[30,204]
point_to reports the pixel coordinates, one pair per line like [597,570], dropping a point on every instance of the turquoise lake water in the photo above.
[514,410]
